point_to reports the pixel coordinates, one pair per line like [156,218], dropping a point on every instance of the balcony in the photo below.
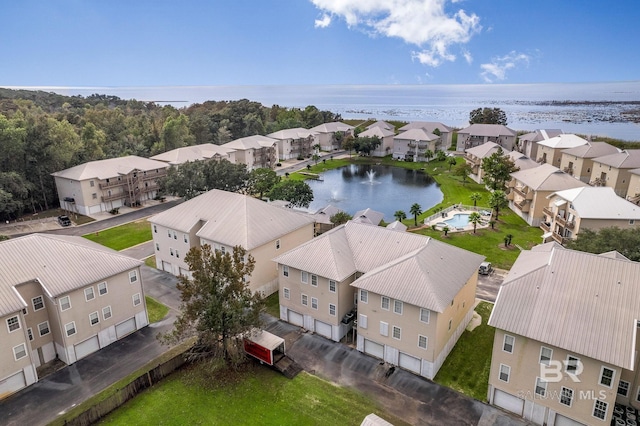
[117,196]
[523,206]
[558,238]
[546,227]
[154,175]
[510,196]
[547,211]
[111,184]
[561,220]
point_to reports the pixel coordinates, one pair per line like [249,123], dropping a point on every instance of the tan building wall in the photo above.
[549,155]
[633,191]
[580,167]
[10,368]
[38,321]
[171,246]
[618,179]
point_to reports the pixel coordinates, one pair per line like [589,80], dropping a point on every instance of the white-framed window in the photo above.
[385,302]
[606,376]
[175,235]
[305,300]
[362,321]
[94,196]
[396,333]
[505,372]
[545,355]
[623,388]
[507,343]
[169,233]
[157,247]
[425,315]
[70,328]
[171,251]
[423,341]
[102,288]
[304,277]
[136,299]
[541,387]
[106,312]
[155,229]
[285,270]
[177,254]
[566,396]
[572,364]
[600,409]
[94,318]
[30,334]
[223,249]
[25,311]
[277,244]
[133,277]
[43,328]
[314,303]
[286,293]
[38,303]
[185,238]
[13,323]
[314,280]
[364,296]
[92,183]
[332,309]
[19,351]
[397,307]
[332,286]
[632,221]
[89,294]
[384,328]
[65,303]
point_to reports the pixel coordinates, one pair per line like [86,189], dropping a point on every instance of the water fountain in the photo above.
[371,174]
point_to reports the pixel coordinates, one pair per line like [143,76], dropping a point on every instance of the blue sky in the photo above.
[265,42]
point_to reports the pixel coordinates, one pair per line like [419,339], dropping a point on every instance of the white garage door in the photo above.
[508,402]
[125,327]
[374,349]
[409,362]
[566,421]
[323,329]
[166,266]
[87,347]
[12,384]
[295,318]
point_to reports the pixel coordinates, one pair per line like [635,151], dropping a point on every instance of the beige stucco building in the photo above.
[202,152]
[294,143]
[386,139]
[254,151]
[62,297]
[432,127]
[325,134]
[550,150]
[578,161]
[224,220]
[613,170]
[413,144]
[528,142]
[477,134]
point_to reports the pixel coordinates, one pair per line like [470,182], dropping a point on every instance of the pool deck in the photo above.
[446,215]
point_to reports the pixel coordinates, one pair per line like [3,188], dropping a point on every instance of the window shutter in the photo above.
[384,328]
[363,321]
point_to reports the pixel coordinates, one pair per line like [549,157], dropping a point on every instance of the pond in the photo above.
[386,189]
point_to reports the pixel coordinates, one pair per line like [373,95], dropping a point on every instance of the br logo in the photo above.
[553,372]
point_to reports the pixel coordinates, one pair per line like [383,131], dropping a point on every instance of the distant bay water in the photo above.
[594,109]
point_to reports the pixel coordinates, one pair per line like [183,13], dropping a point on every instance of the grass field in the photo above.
[155,309]
[272,305]
[123,236]
[466,369]
[256,396]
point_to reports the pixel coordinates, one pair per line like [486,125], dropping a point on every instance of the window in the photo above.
[102,288]
[566,396]
[384,328]
[25,311]
[286,293]
[362,323]
[133,277]
[507,344]
[572,364]
[43,328]
[423,341]
[606,376]
[450,322]
[304,276]
[632,221]
[364,296]
[30,334]
[89,294]
[185,238]
[38,303]
[223,250]
[171,251]
[106,312]
[305,300]
[136,299]
[285,270]
[599,409]
[314,280]
[157,247]
[314,303]
[177,254]
[94,196]
[332,309]
[541,387]
[70,328]
[384,303]
[169,233]
[13,323]
[277,244]
[425,314]
[545,355]
[332,286]
[94,318]
[505,371]
[92,183]
[397,307]
[396,332]
[623,388]
[19,351]
[155,229]
[175,235]
[65,303]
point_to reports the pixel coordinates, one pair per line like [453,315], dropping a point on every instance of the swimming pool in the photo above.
[459,220]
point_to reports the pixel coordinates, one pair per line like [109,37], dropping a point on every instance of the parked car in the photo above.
[485,268]
[64,220]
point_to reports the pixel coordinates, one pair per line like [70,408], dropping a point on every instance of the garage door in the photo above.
[87,347]
[12,384]
[295,318]
[125,327]
[409,362]
[323,329]
[373,348]
[566,421]
[508,402]
[166,266]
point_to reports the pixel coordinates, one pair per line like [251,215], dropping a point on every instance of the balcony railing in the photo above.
[546,227]
[561,220]
[547,211]
[111,184]
[524,206]
[112,197]
[527,195]
[558,238]
[154,175]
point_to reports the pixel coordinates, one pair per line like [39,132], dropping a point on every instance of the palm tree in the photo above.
[428,154]
[497,201]
[400,215]
[415,210]
[445,230]
[452,162]
[475,197]
[509,238]
[475,218]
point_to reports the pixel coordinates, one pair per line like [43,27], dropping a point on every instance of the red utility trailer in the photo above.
[264,346]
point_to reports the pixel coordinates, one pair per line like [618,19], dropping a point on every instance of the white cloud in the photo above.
[498,67]
[323,22]
[467,56]
[421,23]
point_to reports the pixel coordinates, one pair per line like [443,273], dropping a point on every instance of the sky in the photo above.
[117,43]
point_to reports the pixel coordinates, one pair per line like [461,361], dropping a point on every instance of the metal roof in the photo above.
[598,202]
[250,142]
[192,153]
[378,131]
[429,126]
[295,133]
[565,140]
[109,168]
[485,150]
[492,130]
[626,159]
[591,150]
[418,134]
[336,126]
[59,263]
[547,178]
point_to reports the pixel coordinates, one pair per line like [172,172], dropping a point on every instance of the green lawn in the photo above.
[272,305]
[155,309]
[257,396]
[466,369]
[150,261]
[123,236]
